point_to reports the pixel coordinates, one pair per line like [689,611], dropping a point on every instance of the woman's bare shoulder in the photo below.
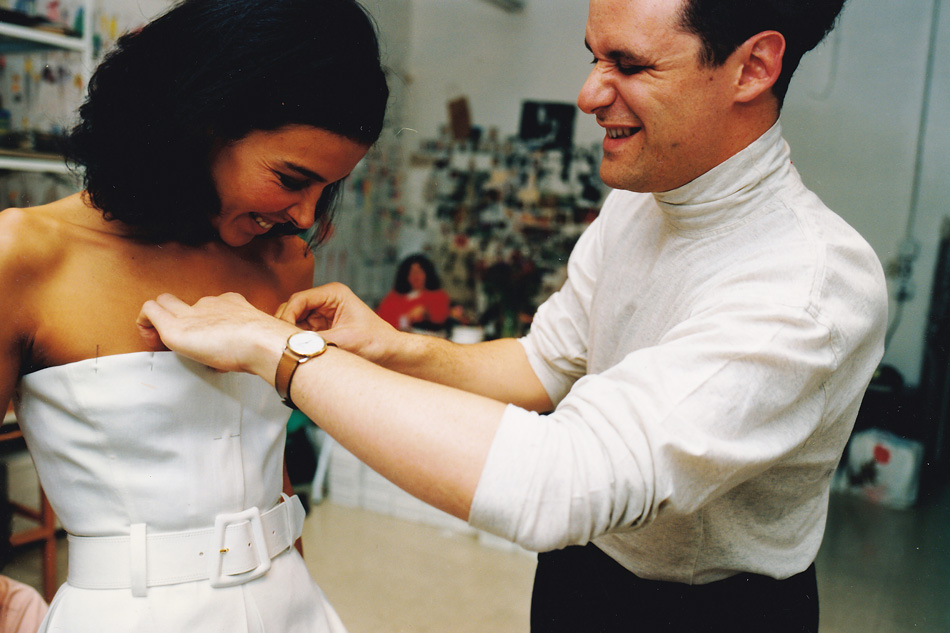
[29,257]
[28,242]
[35,238]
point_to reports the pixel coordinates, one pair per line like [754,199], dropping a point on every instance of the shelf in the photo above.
[16,38]
[42,165]
[17,161]
[24,39]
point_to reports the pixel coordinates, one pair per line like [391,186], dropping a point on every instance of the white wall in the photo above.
[852,120]
[394,17]
[496,59]
[851,117]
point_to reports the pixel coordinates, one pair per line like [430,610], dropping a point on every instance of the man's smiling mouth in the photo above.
[622,132]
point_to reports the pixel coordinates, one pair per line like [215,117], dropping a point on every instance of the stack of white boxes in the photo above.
[353,484]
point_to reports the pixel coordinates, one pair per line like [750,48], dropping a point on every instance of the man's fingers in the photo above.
[151,314]
[297,308]
[157,317]
[171,303]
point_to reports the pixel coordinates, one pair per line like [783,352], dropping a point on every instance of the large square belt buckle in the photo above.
[219,550]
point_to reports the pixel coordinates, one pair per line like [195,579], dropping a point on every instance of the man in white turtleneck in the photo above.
[699,373]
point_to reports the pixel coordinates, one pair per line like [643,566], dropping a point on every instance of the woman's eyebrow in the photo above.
[303,171]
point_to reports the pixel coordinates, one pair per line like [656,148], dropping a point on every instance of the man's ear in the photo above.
[760,59]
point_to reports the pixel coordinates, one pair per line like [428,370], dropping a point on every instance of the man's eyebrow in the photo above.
[303,171]
[622,56]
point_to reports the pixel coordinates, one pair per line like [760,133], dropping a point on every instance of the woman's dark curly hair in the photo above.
[212,71]
[723,25]
[401,283]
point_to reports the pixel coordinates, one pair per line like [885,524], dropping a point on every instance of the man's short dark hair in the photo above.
[723,25]
[213,71]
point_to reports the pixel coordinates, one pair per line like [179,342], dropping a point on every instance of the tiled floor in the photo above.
[388,575]
[880,571]
[886,571]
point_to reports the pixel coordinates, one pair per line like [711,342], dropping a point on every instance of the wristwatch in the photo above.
[300,348]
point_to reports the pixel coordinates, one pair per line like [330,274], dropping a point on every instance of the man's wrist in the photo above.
[267,349]
[301,348]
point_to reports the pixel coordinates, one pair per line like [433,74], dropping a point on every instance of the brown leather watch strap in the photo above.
[290,360]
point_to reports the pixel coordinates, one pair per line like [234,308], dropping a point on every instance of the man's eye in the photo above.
[624,69]
[289,182]
[630,70]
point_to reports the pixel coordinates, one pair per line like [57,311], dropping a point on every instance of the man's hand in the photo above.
[338,314]
[224,332]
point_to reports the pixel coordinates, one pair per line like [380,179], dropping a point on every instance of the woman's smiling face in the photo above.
[276,177]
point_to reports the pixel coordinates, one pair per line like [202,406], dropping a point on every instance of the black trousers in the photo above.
[582,590]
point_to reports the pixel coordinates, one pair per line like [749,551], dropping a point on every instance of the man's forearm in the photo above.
[495,369]
[429,439]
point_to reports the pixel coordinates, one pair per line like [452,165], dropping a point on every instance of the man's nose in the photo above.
[596,92]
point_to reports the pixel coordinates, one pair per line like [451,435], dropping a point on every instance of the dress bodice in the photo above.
[116,438]
[158,439]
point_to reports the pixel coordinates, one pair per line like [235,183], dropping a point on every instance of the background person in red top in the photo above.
[417,300]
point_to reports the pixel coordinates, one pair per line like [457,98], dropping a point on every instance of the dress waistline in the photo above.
[238,549]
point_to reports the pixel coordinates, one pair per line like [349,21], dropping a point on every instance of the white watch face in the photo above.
[306,343]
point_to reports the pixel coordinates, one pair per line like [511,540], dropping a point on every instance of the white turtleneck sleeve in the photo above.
[707,355]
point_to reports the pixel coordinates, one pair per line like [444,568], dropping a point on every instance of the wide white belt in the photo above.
[237,549]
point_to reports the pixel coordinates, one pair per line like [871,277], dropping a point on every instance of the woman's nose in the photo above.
[302,213]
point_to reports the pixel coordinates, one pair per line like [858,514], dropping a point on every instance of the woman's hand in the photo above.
[339,315]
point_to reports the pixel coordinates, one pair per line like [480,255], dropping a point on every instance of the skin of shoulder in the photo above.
[29,251]
[26,256]
[74,284]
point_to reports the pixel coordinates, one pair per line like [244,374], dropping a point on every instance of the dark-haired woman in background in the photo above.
[208,139]
[417,299]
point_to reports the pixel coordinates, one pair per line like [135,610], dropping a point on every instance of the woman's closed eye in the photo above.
[291,183]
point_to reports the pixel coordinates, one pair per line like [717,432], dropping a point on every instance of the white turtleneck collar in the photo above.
[723,194]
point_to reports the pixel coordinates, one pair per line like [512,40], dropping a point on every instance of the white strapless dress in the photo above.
[156,439]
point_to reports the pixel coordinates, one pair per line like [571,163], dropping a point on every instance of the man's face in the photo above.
[663,111]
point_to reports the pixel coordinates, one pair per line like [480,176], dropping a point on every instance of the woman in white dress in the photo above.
[208,140]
